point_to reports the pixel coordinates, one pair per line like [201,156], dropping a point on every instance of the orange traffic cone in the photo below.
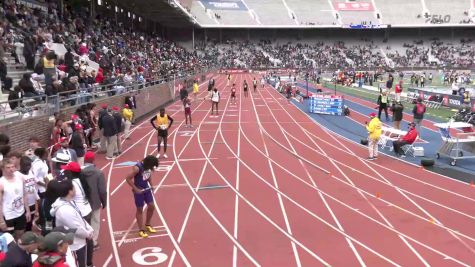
[432,220]
[378,195]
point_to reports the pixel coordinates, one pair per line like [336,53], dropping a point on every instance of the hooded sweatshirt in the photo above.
[67,214]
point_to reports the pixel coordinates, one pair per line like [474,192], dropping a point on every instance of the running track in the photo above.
[264,185]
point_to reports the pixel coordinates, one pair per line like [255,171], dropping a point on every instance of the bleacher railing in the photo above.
[49,105]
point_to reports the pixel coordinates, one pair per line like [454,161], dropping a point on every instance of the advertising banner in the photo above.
[360,6]
[448,100]
[224,4]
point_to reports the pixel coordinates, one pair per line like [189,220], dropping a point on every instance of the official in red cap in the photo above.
[72,166]
[374,133]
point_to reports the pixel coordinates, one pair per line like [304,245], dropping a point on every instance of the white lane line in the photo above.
[196,197]
[346,205]
[281,203]
[106,263]
[357,255]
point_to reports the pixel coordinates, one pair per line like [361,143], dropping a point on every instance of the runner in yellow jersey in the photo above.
[162,122]
[196,90]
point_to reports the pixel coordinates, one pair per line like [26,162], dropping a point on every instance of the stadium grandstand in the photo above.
[237,133]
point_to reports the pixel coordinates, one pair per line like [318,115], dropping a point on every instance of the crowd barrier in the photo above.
[149,98]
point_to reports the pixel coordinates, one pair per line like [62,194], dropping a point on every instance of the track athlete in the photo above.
[162,122]
[140,180]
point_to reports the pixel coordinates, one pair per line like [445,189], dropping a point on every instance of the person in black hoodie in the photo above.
[110,131]
[29,51]
[69,60]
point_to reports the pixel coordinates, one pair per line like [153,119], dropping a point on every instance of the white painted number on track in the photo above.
[153,257]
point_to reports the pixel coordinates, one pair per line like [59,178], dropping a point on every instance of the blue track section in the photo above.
[354,131]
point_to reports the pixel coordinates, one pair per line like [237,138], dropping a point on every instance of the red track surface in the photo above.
[294,195]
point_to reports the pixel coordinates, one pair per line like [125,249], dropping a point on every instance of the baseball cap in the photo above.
[29,238]
[104,105]
[72,166]
[126,106]
[54,239]
[78,126]
[74,116]
[115,108]
[89,155]
[61,158]
[372,114]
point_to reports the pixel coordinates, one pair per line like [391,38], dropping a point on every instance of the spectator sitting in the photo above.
[15,98]
[35,79]
[27,86]
[407,139]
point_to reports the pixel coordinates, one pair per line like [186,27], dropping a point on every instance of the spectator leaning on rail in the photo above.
[374,130]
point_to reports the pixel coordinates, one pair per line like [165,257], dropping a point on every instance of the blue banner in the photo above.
[224,4]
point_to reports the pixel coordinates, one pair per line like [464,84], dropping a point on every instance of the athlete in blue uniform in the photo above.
[140,179]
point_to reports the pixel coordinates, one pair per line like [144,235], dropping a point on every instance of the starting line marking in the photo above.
[231,115]
[134,239]
[163,168]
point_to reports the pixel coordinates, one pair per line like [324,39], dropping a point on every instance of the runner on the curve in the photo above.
[187,105]
[245,87]
[254,84]
[233,94]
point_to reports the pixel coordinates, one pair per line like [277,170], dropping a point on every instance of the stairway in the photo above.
[14,71]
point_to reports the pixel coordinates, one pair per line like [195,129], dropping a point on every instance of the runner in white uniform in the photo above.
[12,198]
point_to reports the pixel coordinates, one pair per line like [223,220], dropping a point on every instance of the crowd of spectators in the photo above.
[58,174]
[99,52]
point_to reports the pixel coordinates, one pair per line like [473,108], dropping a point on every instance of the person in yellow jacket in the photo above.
[374,130]
[162,122]
[128,115]
[196,90]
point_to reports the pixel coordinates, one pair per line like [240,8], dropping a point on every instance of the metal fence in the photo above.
[49,105]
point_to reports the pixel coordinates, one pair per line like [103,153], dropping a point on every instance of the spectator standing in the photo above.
[54,246]
[103,144]
[128,115]
[120,127]
[374,130]
[383,104]
[397,108]
[29,51]
[98,193]
[19,254]
[418,111]
[33,143]
[398,91]
[78,143]
[14,212]
[110,133]
[40,170]
[31,190]
[389,82]
[67,214]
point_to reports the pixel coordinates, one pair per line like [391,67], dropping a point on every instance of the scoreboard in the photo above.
[325,104]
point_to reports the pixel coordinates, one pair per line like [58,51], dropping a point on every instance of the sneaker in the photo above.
[370,158]
[150,229]
[143,234]
[165,156]
[402,156]
[375,157]
[158,156]
[110,158]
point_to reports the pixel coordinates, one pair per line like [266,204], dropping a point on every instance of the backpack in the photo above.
[346,111]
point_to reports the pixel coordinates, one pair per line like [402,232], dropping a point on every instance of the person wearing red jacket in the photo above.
[55,245]
[398,91]
[408,139]
[99,76]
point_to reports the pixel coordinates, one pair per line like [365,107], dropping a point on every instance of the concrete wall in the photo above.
[148,100]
